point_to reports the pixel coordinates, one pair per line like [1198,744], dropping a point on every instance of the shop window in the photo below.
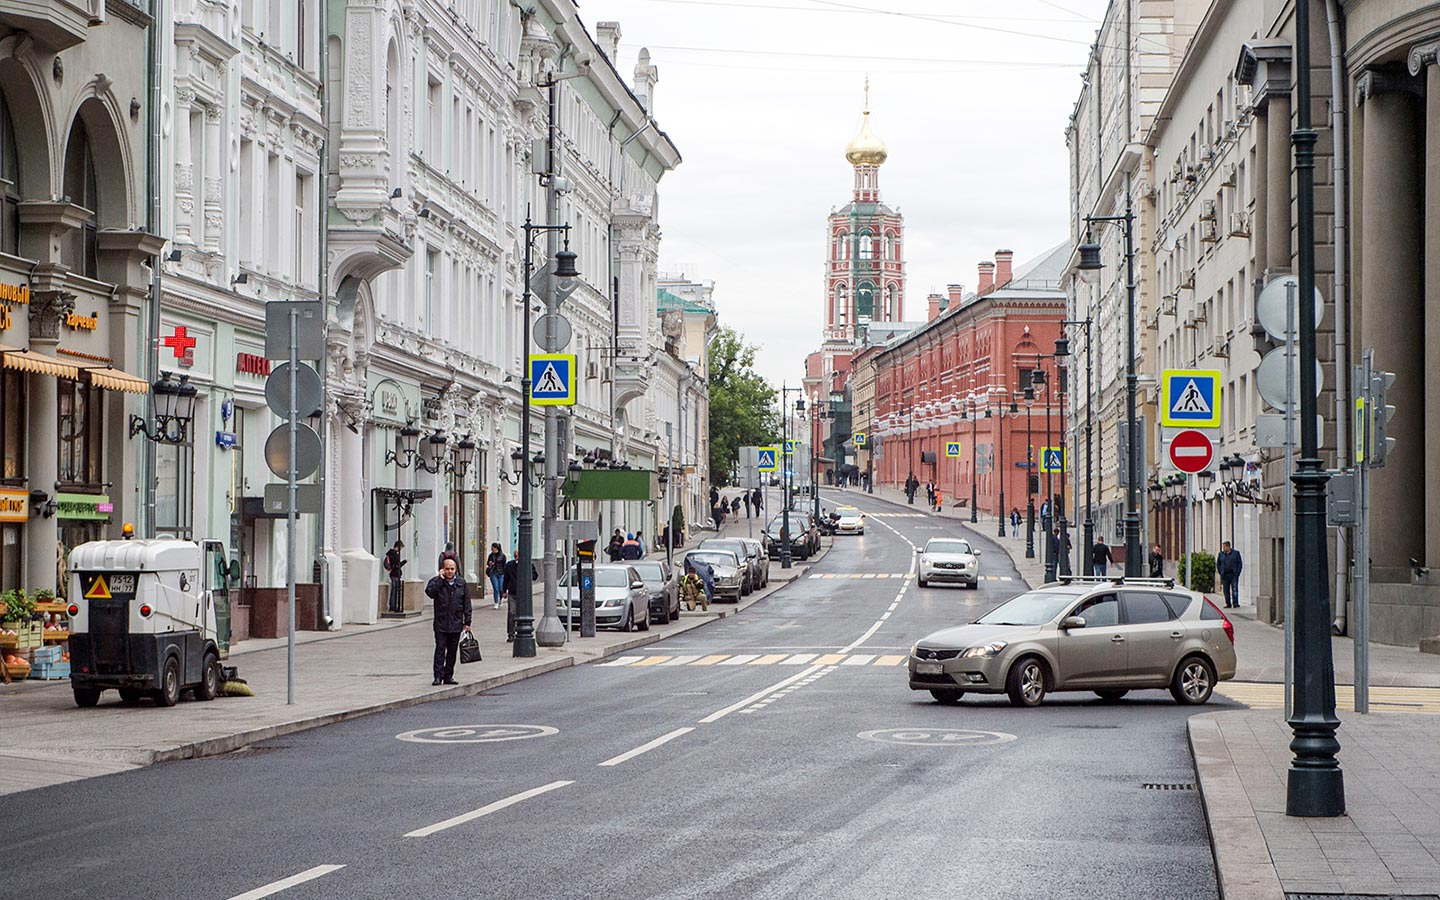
[82,432]
[12,425]
[10,176]
[82,190]
[174,489]
[9,556]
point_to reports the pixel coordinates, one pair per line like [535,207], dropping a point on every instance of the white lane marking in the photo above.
[885,616]
[869,632]
[487,809]
[276,887]
[798,659]
[681,660]
[758,695]
[623,661]
[859,659]
[647,747]
[740,660]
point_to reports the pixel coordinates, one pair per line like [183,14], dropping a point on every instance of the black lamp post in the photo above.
[1031,481]
[788,485]
[1062,348]
[974,472]
[1316,786]
[1089,268]
[1039,377]
[565,277]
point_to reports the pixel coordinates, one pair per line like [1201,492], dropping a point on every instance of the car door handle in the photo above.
[1176,635]
[1118,639]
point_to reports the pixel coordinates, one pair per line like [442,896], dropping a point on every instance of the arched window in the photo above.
[865,301]
[867,242]
[82,190]
[892,299]
[10,175]
[842,245]
[392,112]
[841,314]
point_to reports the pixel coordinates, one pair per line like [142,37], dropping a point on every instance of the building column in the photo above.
[214,211]
[1425,60]
[184,169]
[48,307]
[1392,294]
[1259,227]
[1278,192]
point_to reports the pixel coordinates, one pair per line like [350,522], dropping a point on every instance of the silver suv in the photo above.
[1109,636]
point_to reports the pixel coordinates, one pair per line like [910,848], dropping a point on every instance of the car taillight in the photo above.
[1225,622]
[73,610]
[1229,630]
[145,610]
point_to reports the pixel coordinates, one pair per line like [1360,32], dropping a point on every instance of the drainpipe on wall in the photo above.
[1342,301]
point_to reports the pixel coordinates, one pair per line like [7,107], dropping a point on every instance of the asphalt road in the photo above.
[776,754]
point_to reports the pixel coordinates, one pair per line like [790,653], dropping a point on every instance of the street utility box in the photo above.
[143,619]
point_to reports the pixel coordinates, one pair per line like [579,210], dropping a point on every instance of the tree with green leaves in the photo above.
[742,404]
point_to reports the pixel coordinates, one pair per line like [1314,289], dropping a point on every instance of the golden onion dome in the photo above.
[866,148]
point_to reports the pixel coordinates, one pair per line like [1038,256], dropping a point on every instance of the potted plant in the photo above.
[19,607]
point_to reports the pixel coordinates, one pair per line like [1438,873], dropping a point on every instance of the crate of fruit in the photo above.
[31,635]
[9,637]
[18,666]
[50,654]
[54,671]
[56,633]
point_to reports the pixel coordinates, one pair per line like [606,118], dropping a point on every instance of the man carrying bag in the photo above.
[451,597]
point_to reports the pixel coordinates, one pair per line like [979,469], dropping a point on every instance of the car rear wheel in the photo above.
[946,698]
[1026,683]
[169,692]
[1112,694]
[1194,681]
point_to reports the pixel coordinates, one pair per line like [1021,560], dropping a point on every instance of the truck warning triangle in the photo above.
[1191,400]
[99,590]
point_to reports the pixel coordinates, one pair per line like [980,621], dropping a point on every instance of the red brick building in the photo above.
[934,386]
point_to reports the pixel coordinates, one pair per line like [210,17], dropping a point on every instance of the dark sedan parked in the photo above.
[664,589]
[804,536]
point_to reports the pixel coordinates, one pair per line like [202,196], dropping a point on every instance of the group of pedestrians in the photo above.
[726,508]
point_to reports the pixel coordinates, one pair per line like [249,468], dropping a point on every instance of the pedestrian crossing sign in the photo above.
[766,459]
[1190,398]
[1052,460]
[790,448]
[552,379]
[860,439]
[952,449]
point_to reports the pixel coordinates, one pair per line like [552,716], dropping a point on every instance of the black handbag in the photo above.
[469,648]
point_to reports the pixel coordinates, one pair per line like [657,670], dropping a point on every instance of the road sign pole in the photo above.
[1361,632]
[292,518]
[1288,569]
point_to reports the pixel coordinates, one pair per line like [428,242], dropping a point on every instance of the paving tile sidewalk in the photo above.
[1388,844]
[46,739]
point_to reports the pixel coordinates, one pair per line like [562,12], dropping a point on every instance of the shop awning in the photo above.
[112,379]
[38,363]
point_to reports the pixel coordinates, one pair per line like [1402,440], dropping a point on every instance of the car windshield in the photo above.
[714,558]
[848,512]
[734,547]
[606,578]
[948,547]
[797,523]
[650,571]
[1035,608]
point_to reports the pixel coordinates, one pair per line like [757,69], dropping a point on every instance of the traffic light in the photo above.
[1034,486]
[1381,414]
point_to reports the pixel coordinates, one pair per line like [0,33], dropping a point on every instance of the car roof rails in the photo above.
[1116,580]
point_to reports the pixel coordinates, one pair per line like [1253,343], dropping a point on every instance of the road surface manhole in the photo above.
[936,737]
[476,734]
[1173,786]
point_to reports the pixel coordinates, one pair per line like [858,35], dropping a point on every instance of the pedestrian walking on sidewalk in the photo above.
[735,508]
[1100,557]
[939,501]
[395,565]
[644,547]
[495,571]
[631,550]
[452,617]
[1014,522]
[755,501]
[1228,566]
[746,495]
[1157,562]
[612,549]
[448,553]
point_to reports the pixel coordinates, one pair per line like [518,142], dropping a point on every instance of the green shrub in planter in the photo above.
[1202,572]
[19,606]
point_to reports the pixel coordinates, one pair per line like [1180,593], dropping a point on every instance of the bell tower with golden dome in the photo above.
[865,272]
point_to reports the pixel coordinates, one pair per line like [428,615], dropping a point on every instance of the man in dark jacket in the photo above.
[1100,557]
[451,597]
[1228,566]
[1157,562]
[395,565]
[512,584]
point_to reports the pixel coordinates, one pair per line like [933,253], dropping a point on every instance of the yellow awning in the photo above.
[115,380]
[39,363]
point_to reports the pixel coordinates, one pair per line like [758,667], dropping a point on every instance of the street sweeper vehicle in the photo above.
[150,618]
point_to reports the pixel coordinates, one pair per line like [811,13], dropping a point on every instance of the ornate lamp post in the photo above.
[174,407]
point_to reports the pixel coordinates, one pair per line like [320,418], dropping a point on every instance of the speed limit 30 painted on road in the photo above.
[476,734]
[937,737]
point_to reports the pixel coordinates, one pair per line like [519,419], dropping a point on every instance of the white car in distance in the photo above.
[949,559]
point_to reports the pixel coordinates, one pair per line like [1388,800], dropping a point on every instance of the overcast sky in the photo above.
[761,97]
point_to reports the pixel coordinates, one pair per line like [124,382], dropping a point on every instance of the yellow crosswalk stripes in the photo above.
[1382,699]
[756,659]
[899,515]
[863,575]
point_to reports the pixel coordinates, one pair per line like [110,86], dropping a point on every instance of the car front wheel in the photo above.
[1194,682]
[1026,683]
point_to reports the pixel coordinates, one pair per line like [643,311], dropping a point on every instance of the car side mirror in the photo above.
[974,552]
[1072,622]
[234,571]
[641,584]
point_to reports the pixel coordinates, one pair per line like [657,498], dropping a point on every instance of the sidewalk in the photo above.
[45,739]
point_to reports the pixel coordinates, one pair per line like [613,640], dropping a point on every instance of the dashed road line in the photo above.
[487,809]
[276,887]
[647,747]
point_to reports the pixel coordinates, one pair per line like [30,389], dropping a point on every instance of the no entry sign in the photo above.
[1191,451]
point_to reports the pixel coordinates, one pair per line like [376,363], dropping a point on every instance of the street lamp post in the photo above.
[1031,482]
[1062,348]
[524,644]
[1052,551]
[974,472]
[788,485]
[1089,268]
[1316,786]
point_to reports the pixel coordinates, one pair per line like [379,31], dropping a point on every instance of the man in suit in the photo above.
[452,616]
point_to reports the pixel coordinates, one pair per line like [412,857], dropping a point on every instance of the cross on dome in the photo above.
[866,148]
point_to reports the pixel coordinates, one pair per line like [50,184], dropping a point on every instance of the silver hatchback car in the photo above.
[1109,636]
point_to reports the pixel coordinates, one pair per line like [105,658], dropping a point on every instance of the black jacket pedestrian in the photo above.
[495,563]
[512,576]
[1157,564]
[394,564]
[452,604]
[1229,564]
[755,500]
[1100,554]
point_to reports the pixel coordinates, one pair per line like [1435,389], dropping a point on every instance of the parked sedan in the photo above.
[949,559]
[729,571]
[1110,637]
[664,589]
[849,520]
[804,539]
[755,549]
[750,568]
[621,599]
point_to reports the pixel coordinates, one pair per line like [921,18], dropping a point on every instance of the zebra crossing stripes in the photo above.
[650,661]
[1257,695]
[862,575]
[899,515]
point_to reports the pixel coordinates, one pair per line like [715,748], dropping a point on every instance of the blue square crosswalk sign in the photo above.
[766,459]
[1190,398]
[1052,459]
[790,448]
[952,449]
[552,379]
